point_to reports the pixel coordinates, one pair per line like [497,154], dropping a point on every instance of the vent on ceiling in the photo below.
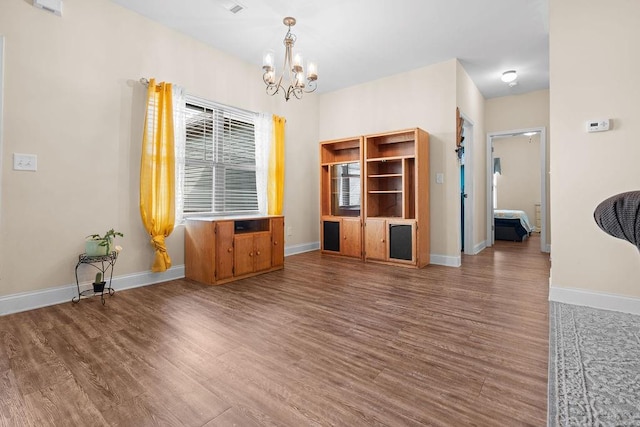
[233,7]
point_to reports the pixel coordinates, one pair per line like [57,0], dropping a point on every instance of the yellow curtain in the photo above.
[157,172]
[275,183]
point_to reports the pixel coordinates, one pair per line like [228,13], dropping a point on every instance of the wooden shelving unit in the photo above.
[388,220]
[396,197]
[341,196]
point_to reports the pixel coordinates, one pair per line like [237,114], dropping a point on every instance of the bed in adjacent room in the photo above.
[511,225]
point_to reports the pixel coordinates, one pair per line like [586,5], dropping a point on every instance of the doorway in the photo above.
[466,188]
[541,131]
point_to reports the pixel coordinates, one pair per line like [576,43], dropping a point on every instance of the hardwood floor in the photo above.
[326,341]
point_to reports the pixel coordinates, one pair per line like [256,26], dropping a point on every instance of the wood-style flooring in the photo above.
[326,341]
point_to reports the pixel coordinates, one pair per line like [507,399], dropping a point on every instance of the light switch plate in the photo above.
[25,162]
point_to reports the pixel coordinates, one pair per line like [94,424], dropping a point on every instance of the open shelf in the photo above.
[400,144]
[385,175]
[250,225]
[340,151]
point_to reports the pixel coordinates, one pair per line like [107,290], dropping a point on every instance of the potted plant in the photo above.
[98,284]
[97,245]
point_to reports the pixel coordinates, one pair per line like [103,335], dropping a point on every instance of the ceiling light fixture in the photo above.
[509,76]
[292,67]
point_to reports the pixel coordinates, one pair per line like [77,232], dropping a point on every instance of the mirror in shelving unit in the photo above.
[345,189]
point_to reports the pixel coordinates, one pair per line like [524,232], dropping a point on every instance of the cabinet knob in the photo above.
[230,250]
[275,243]
[258,253]
[345,237]
[250,253]
[382,240]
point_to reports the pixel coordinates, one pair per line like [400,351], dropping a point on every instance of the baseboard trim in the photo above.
[447,261]
[42,298]
[299,249]
[594,299]
[480,247]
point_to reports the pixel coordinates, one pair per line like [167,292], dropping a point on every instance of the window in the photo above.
[219,159]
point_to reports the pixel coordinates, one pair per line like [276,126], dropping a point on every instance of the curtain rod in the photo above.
[145,82]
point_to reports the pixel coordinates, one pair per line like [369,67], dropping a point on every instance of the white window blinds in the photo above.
[349,191]
[220,160]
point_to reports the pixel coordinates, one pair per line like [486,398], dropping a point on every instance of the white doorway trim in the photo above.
[543,182]
[469,186]
[1,111]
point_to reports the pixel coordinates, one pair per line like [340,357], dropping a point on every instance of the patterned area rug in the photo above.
[594,367]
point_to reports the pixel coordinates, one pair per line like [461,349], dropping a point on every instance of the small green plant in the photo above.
[105,240]
[98,285]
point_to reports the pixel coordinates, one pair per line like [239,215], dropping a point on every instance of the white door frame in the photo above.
[1,110]
[469,185]
[543,182]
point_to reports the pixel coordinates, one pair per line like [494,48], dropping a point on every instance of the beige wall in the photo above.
[72,97]
[594,74]
[518,185]
[524,111]
[424,98]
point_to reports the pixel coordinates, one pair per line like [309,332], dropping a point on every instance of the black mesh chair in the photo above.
[619,216]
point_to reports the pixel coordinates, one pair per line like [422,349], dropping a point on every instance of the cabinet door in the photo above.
[352,237]
[331,236]
[199,251]
[375,239]
[402,238]
[224,250]
[277,239]
[262,251]
[243,261]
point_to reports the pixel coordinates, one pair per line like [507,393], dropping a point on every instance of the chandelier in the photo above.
[292,70]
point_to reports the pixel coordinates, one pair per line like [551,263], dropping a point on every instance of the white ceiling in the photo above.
[355,41]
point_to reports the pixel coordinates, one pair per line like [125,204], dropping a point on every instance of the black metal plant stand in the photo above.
[102,263]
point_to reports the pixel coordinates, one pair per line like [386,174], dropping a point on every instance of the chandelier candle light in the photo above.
[292,68]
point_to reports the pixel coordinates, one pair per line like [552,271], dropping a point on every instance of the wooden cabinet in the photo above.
[341,197]
[390,240]
[342,236]
[252,253]
[396,197]
[219,250]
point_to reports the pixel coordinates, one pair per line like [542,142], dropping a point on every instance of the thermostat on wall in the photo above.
[598,125]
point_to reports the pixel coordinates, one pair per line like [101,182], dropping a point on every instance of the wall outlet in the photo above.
[289,230]
[25,162]
[439,178]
